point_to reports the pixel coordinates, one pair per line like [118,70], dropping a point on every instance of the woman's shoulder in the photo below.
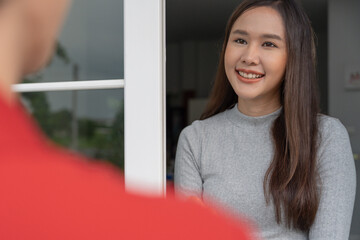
[331,126]
[212,122]
[201,128]
[334,141]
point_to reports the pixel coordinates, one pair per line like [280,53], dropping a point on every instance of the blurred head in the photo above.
[29,30]
[42,19]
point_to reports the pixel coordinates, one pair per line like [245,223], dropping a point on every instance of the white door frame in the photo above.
[145,95]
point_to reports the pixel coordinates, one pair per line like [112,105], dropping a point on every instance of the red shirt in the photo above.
[49,193]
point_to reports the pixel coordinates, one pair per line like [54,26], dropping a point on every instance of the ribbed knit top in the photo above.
[224,158]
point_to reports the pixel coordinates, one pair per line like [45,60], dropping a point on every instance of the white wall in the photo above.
[344,50]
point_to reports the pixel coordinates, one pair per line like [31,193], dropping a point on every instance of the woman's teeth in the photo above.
[249,75]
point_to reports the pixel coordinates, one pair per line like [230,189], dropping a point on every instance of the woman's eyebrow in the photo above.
[241,32]
[266,35]
[272,36]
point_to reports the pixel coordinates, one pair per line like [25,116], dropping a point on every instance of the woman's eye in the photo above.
[240,41]
[269,44]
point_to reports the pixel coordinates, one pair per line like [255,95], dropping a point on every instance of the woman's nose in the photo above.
[250,56]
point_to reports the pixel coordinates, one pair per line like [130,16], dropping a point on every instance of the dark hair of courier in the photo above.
[292,177]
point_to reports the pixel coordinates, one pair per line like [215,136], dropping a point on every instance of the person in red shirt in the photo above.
[49,193]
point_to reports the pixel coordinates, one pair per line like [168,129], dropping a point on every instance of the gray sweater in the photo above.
[224,159]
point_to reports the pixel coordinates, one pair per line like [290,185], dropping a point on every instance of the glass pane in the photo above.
[89,122]
[91,45]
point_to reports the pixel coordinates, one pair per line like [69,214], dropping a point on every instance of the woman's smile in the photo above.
[249,76]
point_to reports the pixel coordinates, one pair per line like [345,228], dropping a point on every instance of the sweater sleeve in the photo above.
[337,182]
[188,181]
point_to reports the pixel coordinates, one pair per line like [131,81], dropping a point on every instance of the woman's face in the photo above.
[255,56]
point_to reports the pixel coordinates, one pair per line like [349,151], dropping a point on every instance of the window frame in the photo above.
[144,120]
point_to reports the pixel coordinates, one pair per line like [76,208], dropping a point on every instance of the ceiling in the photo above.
[206,19]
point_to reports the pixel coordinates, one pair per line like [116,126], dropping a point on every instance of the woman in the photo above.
[261,148]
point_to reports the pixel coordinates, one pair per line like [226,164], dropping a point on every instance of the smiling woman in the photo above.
[261,148]
[255,60]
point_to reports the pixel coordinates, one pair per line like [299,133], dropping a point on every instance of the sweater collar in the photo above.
[240,119]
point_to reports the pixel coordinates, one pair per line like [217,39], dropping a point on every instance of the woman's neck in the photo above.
[257,108]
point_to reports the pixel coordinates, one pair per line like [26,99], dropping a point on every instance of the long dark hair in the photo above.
[292,177]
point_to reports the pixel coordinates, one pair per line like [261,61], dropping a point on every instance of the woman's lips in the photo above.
[249,76]
[249,71]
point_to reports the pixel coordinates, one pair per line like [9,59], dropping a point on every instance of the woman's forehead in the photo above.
[259,21]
